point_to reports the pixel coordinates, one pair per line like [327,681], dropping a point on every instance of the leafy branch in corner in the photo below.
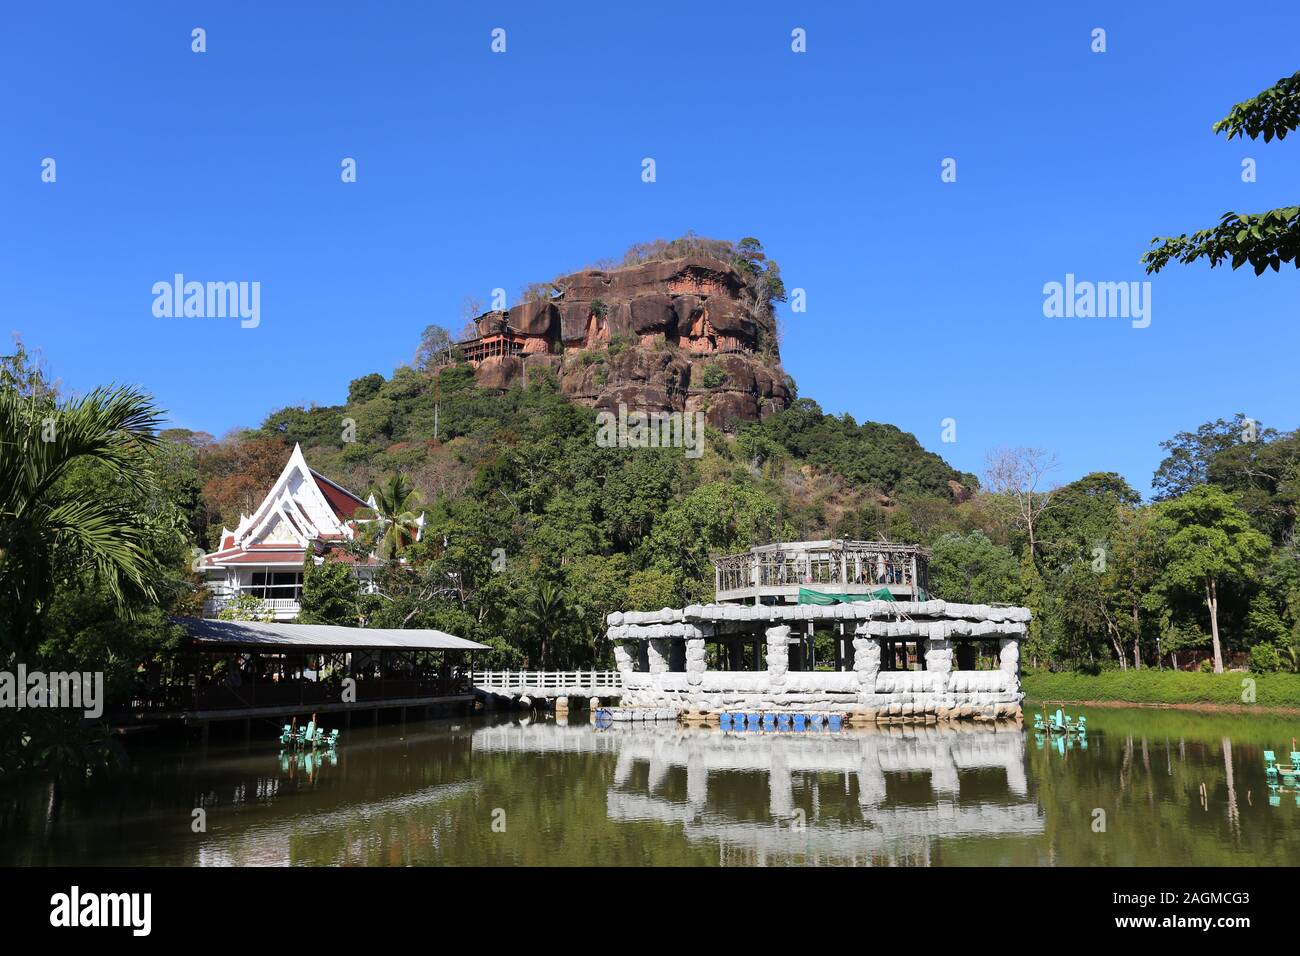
[1265,240]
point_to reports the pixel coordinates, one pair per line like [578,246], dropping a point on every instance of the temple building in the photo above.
[263,556]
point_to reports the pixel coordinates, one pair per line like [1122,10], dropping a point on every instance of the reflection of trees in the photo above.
[1149,780]
[425,794]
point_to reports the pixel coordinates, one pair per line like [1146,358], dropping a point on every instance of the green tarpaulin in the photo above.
[818,597]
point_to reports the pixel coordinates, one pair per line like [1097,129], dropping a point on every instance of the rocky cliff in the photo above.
[671,335]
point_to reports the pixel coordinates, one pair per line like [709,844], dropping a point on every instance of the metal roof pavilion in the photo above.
[260,635]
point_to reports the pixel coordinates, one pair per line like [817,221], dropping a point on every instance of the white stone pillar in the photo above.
[659,650]
[624,658]
[938,651]
[866,662]
[1009,655]
[694,656]
[938,661]
[778,658]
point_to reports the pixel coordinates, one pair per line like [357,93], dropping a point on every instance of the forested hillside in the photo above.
[576,530]
[535,532]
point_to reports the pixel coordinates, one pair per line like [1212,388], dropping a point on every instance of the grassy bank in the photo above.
[1164,687]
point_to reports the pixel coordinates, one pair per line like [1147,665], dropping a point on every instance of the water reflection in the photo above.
[870,796]
[1175,788]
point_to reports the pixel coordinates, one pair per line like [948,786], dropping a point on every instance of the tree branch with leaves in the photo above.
[1265,240]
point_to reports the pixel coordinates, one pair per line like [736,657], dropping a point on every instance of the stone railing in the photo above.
[936,692]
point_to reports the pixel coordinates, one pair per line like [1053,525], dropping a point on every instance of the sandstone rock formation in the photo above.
[667,335]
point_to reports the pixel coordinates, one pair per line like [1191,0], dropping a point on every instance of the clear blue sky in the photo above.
[479,170]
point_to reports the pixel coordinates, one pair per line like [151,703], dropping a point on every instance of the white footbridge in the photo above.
[553,684]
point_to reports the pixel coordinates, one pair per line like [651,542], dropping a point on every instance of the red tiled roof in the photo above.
[344,557]
[343,502]
[264,557]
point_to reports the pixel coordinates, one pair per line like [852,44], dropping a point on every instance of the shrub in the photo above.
[246,607]
[713,376]
[1265,659]
[618,343]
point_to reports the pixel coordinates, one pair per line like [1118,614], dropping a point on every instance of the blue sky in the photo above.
[479,170]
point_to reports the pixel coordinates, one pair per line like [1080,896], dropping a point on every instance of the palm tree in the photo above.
[47,524]
[546,614]
[396,502]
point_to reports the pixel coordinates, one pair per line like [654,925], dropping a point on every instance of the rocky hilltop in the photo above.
[685,334]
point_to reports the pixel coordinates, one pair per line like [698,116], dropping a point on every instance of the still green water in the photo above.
[1152,787]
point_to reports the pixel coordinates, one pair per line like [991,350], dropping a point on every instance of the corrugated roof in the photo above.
[271,636]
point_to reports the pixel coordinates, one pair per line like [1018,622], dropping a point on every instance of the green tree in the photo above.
[330,593]
[1189,454]
[397,521]
[435,348]
[972,569]
[1129,569]
[713,518]
[365,388]
[549,620]
[48,524]
[1208,542]
[651,590]
[1267,239]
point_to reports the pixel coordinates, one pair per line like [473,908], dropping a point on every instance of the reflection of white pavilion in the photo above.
[886,828]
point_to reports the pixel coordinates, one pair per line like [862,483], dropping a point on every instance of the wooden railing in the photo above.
[547,680]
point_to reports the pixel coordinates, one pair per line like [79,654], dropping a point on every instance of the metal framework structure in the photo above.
[774,573]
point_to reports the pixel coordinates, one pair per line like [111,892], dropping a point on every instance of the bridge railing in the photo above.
[521,680]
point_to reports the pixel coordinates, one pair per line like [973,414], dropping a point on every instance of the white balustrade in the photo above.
[547,680]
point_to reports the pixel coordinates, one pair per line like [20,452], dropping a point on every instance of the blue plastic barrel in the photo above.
[782,721]
[754,721]
[800,722]
[836,722]
[724,721]
[769,721]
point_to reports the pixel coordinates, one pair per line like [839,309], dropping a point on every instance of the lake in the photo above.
[1151,787]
